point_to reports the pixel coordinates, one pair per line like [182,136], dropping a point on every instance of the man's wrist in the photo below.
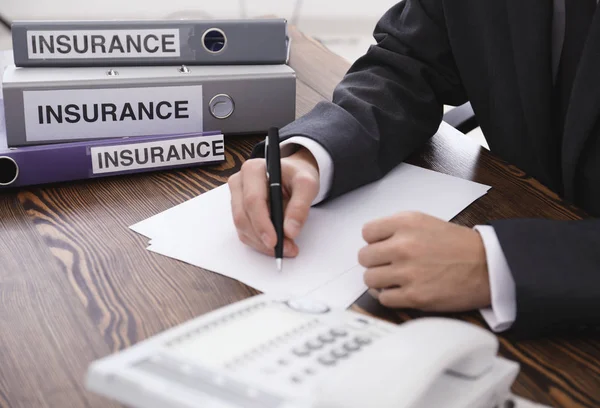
[303,154]
[318,158]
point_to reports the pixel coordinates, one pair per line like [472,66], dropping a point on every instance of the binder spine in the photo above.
[35,165]
[159,42]
[55,105]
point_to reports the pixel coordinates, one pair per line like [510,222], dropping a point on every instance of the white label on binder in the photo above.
[111,112]
[157,154]
[103,44]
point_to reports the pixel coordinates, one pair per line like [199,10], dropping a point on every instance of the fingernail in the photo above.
[265,239]
[292,226]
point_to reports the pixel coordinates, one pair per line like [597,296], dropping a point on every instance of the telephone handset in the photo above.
[271,352]
[402,371]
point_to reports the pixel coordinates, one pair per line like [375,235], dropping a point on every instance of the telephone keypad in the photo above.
[313,349]
[330,353]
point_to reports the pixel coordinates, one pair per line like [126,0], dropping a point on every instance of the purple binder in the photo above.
[42,164]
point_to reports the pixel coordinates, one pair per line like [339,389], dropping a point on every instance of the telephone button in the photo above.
[339,353]
[301,351]
[352,346]
[362,340]
[359,323]
[309,371]
[339,332]
[314,344]
[327,360]
[327,338]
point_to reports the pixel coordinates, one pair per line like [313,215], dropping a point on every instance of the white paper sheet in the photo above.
[201,232]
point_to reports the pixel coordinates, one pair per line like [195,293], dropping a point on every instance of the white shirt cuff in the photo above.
[503,311]
[324,162]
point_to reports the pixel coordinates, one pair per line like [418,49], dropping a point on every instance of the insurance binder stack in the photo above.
[96,98]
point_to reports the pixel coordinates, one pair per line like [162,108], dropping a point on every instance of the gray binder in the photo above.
[151,42]
[52,105]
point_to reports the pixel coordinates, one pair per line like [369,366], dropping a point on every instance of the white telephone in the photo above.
[267,352]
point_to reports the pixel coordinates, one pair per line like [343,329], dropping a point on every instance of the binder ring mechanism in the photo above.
[9,170]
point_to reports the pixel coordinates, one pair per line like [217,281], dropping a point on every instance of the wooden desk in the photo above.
[76,284]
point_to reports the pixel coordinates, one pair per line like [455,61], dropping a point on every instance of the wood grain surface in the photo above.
[76,284]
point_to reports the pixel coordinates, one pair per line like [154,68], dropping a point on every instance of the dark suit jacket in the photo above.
[497,55]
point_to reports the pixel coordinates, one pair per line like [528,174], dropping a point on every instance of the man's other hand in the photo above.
[421,262]
[250,201]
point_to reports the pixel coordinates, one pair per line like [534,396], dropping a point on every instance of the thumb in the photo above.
[304,187]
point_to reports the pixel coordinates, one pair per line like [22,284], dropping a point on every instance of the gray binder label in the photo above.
[157,154]
[104,113]
[103,44]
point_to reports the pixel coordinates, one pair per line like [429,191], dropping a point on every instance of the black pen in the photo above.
[273,158]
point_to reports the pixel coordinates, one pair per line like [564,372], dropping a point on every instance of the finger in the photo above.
[244,227]
[290,249]
[383,277]
[395,298]
[303,190]
[255,201]
[377,254]
[240,219]
[379,230]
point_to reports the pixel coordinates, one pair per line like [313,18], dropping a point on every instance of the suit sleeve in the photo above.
[556,269]
[390,102]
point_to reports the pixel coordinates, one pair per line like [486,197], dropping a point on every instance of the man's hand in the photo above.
[425,263]
[250,201]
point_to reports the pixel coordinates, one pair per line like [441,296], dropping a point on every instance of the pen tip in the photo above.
[279,264]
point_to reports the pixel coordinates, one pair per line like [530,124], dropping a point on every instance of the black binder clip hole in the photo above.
[9,171]
[214,40]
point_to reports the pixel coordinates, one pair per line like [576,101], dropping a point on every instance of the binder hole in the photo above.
[221,106]
[214,40]
[9,171]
